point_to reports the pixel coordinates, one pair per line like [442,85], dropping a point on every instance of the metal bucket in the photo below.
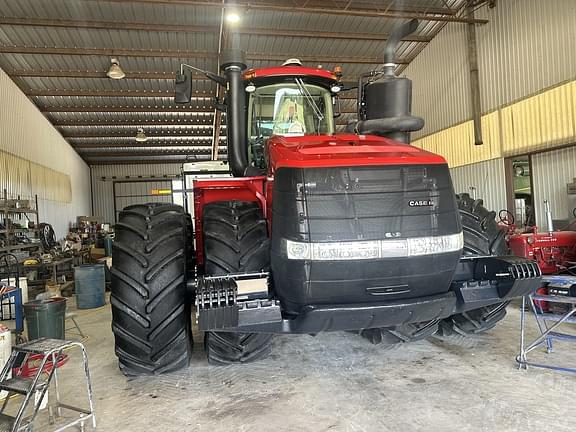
[45,318]
[89,282]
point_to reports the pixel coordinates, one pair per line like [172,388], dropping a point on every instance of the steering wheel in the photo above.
[506,217]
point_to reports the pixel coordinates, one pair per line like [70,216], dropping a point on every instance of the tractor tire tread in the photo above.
[150,315]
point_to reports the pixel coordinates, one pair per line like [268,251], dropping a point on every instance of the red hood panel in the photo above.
[344,150]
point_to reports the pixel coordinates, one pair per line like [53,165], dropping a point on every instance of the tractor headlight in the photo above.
[376,249]
[433,245]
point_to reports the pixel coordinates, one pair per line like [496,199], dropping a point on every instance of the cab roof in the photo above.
[290,71]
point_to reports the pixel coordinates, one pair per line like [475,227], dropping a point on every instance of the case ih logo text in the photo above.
[420,203]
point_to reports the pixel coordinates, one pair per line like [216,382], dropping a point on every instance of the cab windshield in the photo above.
[290,109]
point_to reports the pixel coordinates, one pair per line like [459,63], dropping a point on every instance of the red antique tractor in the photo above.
[316,231]
[555,251]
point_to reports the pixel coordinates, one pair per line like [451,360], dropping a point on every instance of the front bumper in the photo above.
[478,282]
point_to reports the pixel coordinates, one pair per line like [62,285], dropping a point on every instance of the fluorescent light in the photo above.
[115,71]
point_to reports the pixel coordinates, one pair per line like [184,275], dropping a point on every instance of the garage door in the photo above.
[140,192]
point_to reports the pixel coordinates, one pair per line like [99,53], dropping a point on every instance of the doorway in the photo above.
[519,190]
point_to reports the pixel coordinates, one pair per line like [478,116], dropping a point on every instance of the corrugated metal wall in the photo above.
[526,47]
[103,192]
[487,178]
[551,172]
[26,133]
[528,96]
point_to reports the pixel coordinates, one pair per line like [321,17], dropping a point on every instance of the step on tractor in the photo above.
[314,231]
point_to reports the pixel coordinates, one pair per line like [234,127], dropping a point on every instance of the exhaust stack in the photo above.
[384,100]
[549,222]
[233,65]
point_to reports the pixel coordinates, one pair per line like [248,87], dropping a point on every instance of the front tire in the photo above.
[235,241]
[481,237]
[150,315]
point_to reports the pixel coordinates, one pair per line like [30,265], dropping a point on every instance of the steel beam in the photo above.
[145,153]
[106,25]
[106,109]
[107,52]
[95,74]
[99,146]
[445,15]
[149,133]
[154,159]
[150,123]
[174,28]
[111,93]
[326,35]
[146,53]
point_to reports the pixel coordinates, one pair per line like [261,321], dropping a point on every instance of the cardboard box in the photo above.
[97,253]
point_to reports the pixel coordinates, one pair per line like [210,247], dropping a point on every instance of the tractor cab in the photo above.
[288,101]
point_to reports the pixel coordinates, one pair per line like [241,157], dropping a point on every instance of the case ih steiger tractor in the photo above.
[315,231]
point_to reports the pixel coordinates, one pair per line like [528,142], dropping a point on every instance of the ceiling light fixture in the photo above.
[115,71]
[141,136]
[232,17]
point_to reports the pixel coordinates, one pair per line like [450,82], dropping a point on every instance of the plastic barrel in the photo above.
[45,318]
[89,281]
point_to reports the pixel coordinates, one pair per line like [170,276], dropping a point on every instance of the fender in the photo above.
[229,189]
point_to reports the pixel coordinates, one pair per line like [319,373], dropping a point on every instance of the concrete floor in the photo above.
[334,382]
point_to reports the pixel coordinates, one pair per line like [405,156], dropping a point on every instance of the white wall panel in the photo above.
[26,133]
[487,178]
[526,47]
[103,192]
[551,172]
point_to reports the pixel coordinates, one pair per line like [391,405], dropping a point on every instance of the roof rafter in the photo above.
[142,153]
[106,25]
[125,109]
[95,74]
[446,15]
[117,25]
[123,52]
[207,145]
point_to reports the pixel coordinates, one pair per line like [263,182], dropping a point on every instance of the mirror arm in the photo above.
[210,75]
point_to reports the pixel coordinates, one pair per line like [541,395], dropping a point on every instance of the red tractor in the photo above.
[555,251]
[316,231]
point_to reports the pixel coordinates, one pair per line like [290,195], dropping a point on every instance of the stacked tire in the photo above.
[235,241]
[150,314]
[482,236]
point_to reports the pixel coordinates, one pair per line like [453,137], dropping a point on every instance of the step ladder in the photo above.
[33,389]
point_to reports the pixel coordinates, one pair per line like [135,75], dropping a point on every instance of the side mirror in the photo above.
[183,88]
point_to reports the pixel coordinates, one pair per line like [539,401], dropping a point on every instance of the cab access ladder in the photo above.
[33,389]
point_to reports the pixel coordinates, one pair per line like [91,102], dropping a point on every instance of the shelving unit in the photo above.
[6,212]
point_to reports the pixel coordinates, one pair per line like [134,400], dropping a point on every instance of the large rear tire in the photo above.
[481,237]
[235,241]
[150,315]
